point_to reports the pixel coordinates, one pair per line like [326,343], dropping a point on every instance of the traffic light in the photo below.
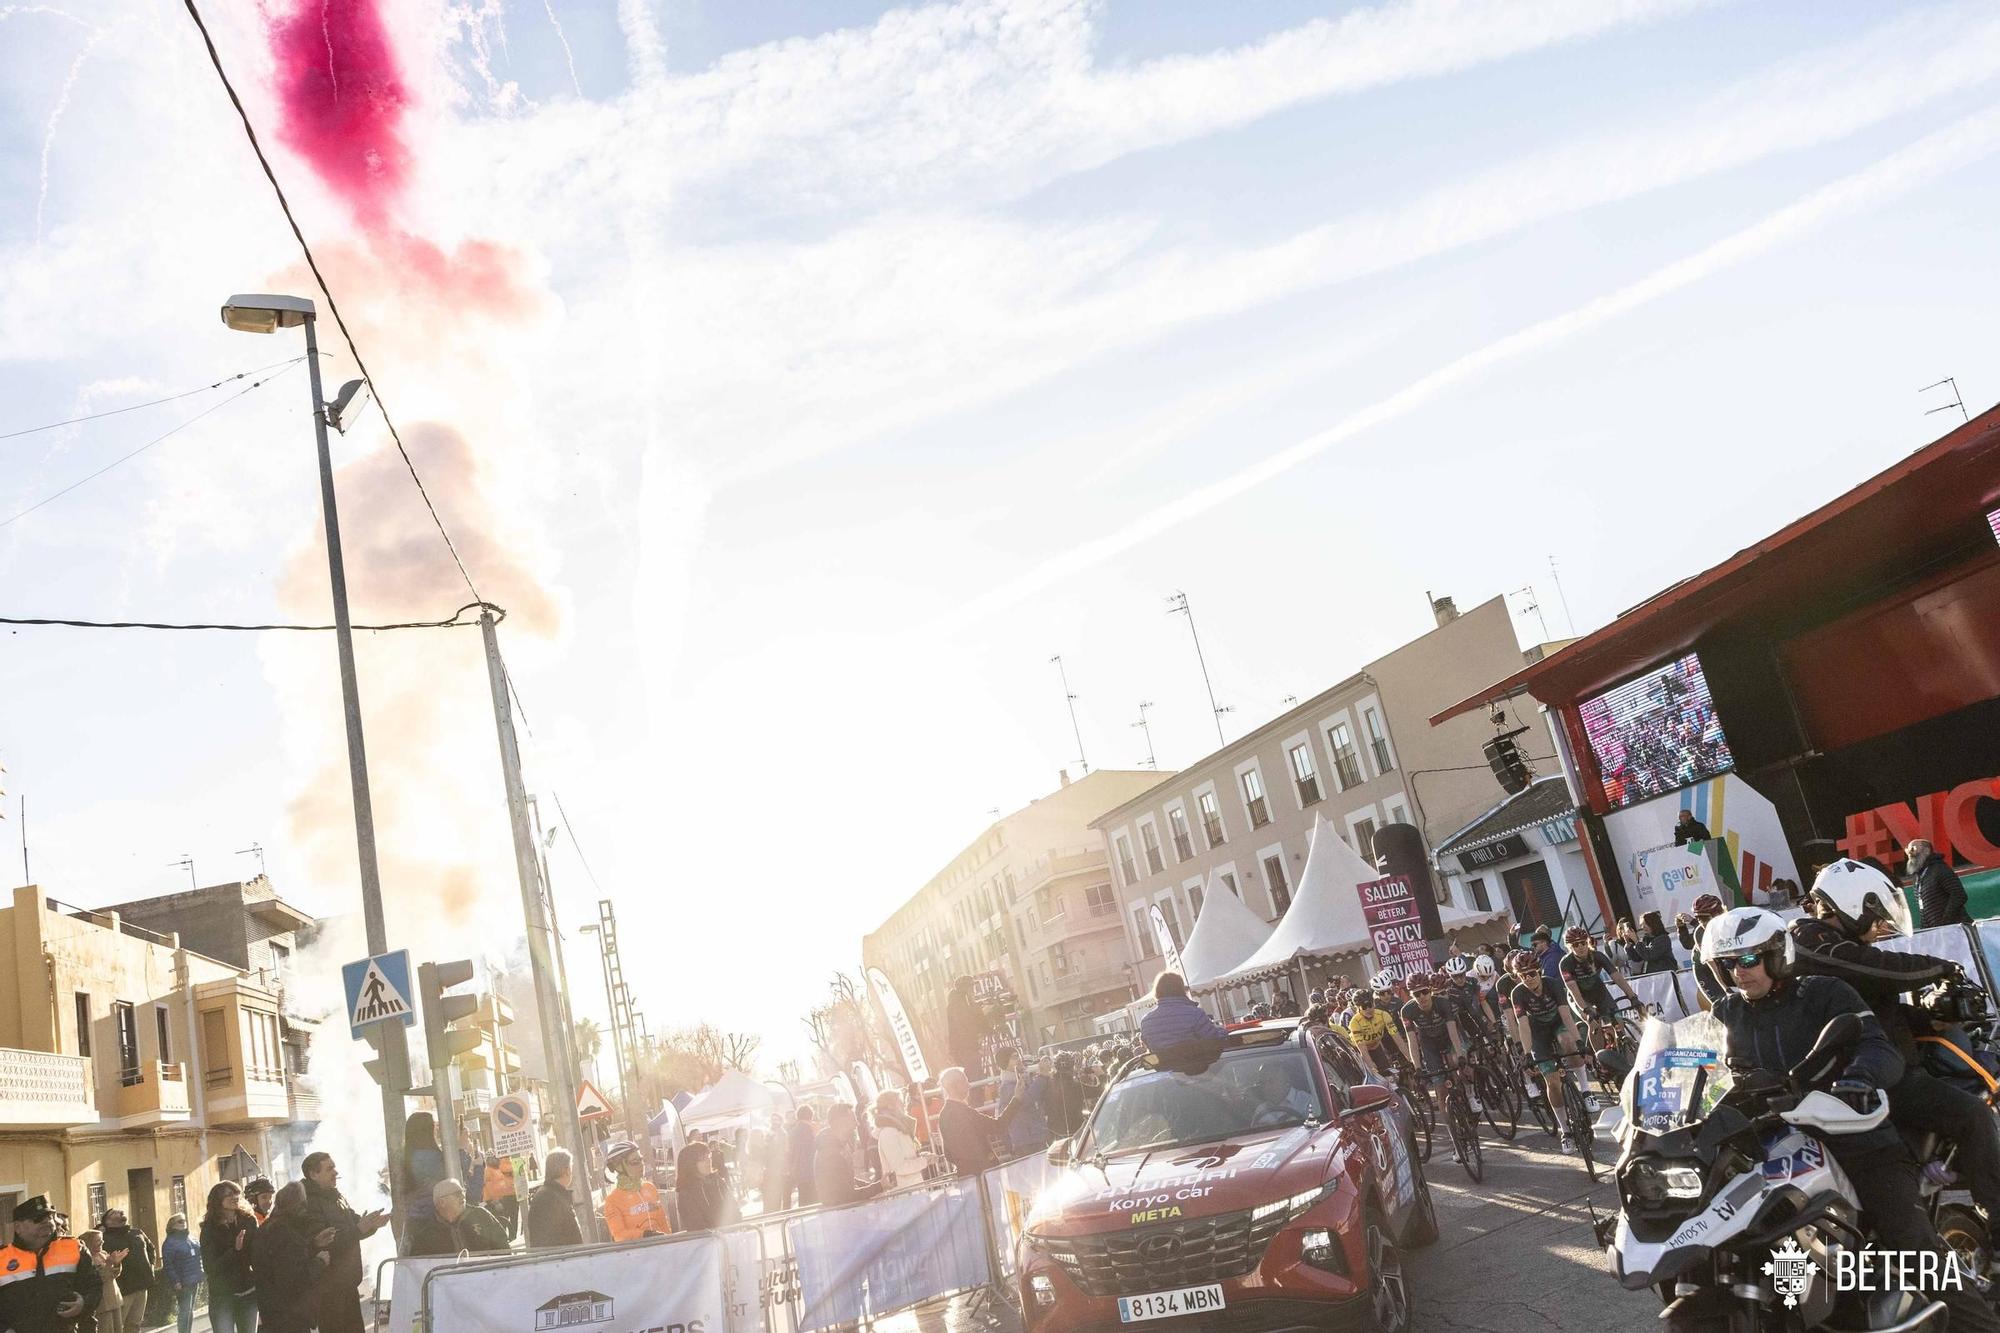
[444,1041]
[1505,759]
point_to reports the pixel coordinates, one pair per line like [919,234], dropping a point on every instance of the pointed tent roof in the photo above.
[735,1097]
[1325,915]
[1225,933]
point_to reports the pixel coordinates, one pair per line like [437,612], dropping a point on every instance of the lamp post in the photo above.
[264,313]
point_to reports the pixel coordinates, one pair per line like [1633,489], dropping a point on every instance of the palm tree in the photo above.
[589,1041]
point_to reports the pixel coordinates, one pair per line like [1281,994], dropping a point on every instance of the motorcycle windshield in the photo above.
[1678,1075]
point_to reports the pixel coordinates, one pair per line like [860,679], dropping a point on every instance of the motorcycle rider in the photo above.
[1772,1015]
[1852,903]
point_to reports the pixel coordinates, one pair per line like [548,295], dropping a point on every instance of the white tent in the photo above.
[1325,915]
[1225,933]
[734,1101]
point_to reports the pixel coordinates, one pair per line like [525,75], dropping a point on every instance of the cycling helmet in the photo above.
[1382,983]
[1860,895]
[1457,963]
[1260,1011]
[1424,983]
[1484,967]
[1575,936]
[1706,906]
[1316,998]
[622,1148]
[1743,930]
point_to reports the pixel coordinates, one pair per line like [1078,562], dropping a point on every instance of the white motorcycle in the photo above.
[1730,1205]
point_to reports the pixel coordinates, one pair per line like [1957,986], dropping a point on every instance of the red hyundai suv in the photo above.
[1271,1190]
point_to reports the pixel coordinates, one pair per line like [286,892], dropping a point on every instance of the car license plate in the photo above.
[1167,1304]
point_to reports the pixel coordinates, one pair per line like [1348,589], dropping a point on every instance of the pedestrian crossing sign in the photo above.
[378,991]
[590,1103]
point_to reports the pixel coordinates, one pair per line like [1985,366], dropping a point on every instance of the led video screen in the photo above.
[1656,734]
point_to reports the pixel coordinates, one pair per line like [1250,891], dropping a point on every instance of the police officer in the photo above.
[1772,1017]
[47,1283]
[1851,903]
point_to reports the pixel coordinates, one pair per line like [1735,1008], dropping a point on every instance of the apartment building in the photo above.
[1361,752]
[246,925]
[1030,898]
[134,1071]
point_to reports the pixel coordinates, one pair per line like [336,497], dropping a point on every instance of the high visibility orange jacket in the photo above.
[630,1214]
[33,1285]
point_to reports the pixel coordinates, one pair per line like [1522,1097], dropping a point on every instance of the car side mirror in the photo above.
[1363,1098]
[1059,1153]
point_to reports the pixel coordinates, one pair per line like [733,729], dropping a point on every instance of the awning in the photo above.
[1925,513]
[1544,800]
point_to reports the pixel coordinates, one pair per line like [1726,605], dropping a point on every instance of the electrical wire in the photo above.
[453,623]
[123,459]
[215,59]
[155,402]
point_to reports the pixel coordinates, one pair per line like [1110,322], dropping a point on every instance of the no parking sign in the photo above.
[514,1126]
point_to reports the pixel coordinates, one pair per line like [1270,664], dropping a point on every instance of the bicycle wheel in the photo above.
[1499,1101]
[1581,1129]
[1537,1102]
[1424,1111]
[1465,1135]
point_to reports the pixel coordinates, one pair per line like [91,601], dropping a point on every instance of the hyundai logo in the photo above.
[1155,1249]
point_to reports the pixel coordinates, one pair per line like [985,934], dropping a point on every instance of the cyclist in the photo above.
[1542,1031]
[1584,967]
[1436,1045]
[1369,1028]
[1486,974]
[1706,908]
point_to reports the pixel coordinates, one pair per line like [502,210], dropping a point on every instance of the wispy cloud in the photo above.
[1959,145]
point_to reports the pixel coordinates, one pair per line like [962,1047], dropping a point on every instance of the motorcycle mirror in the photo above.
[1612,1118]
[1836,1037]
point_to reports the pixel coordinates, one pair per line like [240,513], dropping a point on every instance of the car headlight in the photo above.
[1656,1182]
[1056,1247]
[1295,1206]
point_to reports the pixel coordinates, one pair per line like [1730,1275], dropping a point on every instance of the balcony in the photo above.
[1096,981]
[40,1090]
[239,1096]
[304,1098]
[149,1094]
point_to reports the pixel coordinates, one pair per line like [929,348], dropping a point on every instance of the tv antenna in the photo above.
[1178,605]
[187,863]
[255,849]
[1152,760]
[1957,399]
[1289,702]
[1070,699]
[1533,604]
[1568,619]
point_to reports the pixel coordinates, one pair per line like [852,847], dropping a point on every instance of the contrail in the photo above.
[1963,142]
[55,115]
[549,6]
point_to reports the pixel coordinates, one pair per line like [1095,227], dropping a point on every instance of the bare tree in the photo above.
[739,1050]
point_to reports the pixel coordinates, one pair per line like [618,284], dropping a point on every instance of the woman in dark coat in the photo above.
[1654,949]
[289,1264]
[226,1229]
[696,1189]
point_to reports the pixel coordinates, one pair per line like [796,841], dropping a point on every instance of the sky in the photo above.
[802,377]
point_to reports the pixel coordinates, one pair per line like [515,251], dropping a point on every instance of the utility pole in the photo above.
[548,1005]
[1152,760]
[1070,699]
[1178,605]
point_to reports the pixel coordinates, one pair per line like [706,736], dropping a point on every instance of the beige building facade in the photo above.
[132,1069]
[1362,754]
[1031,898]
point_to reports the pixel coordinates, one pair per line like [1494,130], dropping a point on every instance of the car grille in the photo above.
[1170,1254]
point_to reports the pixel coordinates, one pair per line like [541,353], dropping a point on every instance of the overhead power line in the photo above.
[161,438]
[151,402]
[381,404]
[189,625]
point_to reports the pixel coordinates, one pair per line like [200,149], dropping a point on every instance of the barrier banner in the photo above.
[674,1286]
[1952,942]
[1011,1190]
[406,1285]
[1667,995]
[760,1279]
[889,1253]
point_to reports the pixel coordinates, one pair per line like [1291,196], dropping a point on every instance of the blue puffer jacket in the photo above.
[180,1259]
[1177,1019]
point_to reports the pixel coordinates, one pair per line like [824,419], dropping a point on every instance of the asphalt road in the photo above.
[1514,1253]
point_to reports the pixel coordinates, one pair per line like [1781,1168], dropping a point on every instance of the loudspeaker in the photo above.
[1509,768]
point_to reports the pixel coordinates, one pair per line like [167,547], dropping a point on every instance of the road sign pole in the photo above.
[548,1005]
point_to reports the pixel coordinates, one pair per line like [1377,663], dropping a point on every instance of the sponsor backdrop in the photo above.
[1739,816]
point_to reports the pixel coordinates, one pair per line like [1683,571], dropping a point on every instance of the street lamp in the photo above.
[266,313]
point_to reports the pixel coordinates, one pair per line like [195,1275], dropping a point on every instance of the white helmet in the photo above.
[1743,930]
[1383,983]
[1485,968]
[1860,895]
[1457,963]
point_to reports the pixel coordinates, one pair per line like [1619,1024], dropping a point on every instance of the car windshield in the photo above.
[1678,1076]
[1248,1088]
